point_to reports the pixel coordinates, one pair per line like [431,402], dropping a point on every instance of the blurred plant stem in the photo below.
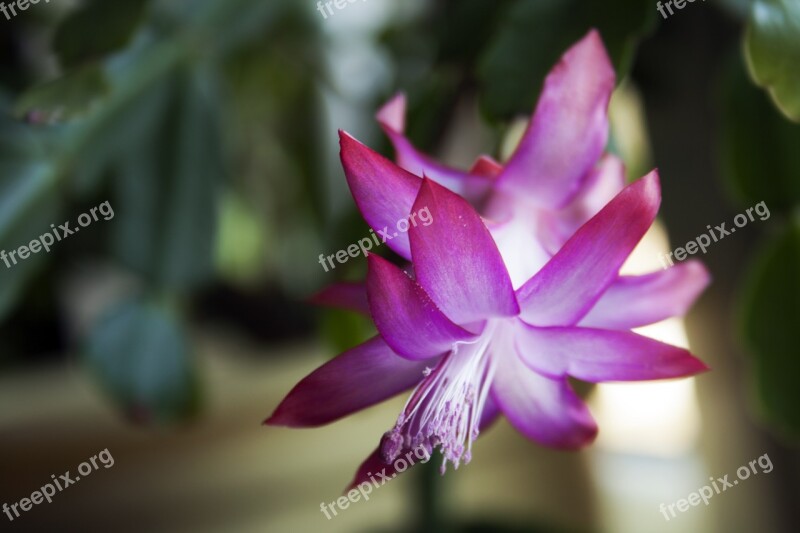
[430,499]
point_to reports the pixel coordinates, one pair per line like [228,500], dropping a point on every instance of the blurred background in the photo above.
[168,332]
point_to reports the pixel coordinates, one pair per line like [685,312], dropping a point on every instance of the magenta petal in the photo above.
[391,117]
[604,182]
[634,301]
[373,468]
[569,128]
[405,315]
[376,472]
[487,167]
[393,114]
[456,260]
[568,286]
[597,355]
[356,379]
[383,192]
[346,295]
[543,409]
[490,414]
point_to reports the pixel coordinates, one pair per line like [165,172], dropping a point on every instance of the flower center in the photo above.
[445,408]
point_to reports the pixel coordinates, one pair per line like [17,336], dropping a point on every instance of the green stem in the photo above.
[430,498]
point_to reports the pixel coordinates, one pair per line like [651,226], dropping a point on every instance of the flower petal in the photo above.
[490,413]
[374,464]
[456,260]
[345,295]
[543,409]
[569,128]
[356,379]
[597,355]
[393,114]
[487,167]
[373,467]
[568,286]
[383,192]
[391,117]
[604,182]
[634,301]
[405,315]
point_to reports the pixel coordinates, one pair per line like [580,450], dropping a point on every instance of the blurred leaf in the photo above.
[240,245]
[141,358]
[436,61]
[534,34]
[167,190]
[345,329]
[66,97]
[761,160]
[97,28]
[28,205]
[739,8]
[464,27]
[772,49]
[771,313]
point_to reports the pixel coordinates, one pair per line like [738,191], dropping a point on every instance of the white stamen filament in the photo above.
[446,407]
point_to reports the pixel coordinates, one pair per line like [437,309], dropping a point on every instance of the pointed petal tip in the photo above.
[585,439]
[580,439]
[348,296]
[652,179]
[593,41]
[594,38]
[393,113]
[285,416]
[569,127]
[701,367]
[383,191]
[276,420]
[486,167]
[346,138]
[465,291]
[699,269]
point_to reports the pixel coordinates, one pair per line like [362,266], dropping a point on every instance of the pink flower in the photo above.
[497,313]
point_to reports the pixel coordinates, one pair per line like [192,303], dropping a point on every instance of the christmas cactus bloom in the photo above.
[470,345]
[497,308]
[556,179]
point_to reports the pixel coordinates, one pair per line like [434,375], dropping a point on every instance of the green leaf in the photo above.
[759,149]
[28,205]
[739,8]
[772,49]
[141,358]
[535,33]
[345,329]
[770,315]
[65,98]
[96,29]
[241,241]
[167,189]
